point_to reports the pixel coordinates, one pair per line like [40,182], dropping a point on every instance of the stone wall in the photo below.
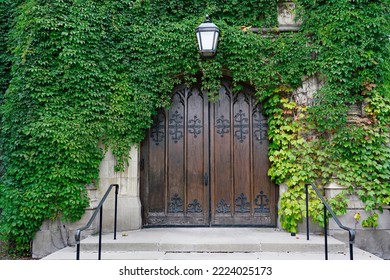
[374,240]
[286,15]
[55,235]
[129,205]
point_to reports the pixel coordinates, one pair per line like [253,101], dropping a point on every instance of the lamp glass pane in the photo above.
[207,40]
[216,40]
[198,37]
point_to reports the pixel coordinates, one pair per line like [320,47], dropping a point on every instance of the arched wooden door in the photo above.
[205,164]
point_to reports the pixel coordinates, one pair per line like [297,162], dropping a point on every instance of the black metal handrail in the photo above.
[99,209]
[351,232]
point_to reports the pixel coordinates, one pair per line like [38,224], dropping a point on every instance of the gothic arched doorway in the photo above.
[205,164]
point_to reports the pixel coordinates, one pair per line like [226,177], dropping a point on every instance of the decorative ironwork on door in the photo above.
[158,129]
[242,204]
[206,163]
[176,204]
[176,126]
[223,206]
[194,207]
[222,125]
[241,126]
[195,126]
[262,201]
[260,126]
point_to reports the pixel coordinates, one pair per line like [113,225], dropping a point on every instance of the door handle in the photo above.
[206,179]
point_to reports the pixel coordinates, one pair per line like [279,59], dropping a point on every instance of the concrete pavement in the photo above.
[210,243]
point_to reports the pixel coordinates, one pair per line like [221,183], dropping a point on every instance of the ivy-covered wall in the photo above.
[76,72]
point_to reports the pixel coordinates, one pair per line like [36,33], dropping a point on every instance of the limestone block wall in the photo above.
[129,205]
[286,15]
[356,206]
[375,240]
[305,93]
[55,235]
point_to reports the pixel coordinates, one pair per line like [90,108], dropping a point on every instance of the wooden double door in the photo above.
[205,164]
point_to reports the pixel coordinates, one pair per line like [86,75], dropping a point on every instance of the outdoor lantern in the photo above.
[207,35]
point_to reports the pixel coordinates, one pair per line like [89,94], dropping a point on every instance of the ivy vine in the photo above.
[324,142]
[75,74]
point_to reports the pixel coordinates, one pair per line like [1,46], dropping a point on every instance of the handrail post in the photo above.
[351,238]
[77,238]
[116,209]
[351,251]
[325,233]
[78,251]
[99,208]
[351,231]
[307,211]
[100,233]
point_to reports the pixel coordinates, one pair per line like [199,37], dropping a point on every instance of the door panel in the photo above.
[206,163]
[174,160]
[242,193]
[221,156]
[156,171]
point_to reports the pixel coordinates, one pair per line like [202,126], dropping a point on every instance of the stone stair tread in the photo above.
[210,243]
[211,240]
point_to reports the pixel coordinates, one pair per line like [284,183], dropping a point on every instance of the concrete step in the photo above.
[210,243]
[211,240]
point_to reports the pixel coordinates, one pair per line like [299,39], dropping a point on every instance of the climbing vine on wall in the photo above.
[79,76]
[350,46]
